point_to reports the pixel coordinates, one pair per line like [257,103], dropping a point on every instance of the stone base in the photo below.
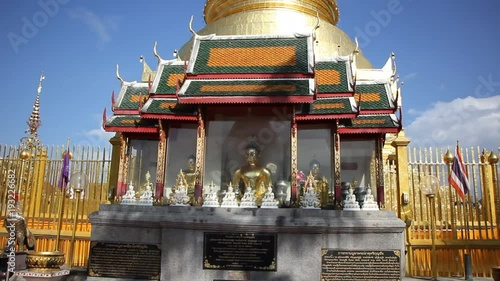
[21,260]
[370,207]
[38,276]
[352,207]
[301,235]
[211,204]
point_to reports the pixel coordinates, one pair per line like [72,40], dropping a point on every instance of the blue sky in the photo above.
[446,52]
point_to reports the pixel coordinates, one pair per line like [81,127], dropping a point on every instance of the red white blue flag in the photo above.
[63,181]
[458,177]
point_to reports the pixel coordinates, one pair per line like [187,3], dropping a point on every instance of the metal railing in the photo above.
[37,188]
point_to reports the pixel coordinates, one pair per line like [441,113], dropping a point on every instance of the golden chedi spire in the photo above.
[31,139]
[326,9]
[280,17]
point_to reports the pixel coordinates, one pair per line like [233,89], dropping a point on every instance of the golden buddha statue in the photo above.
[252,175]
[320,181]
[190,175]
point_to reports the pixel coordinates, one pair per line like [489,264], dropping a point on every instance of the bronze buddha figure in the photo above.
[251,174]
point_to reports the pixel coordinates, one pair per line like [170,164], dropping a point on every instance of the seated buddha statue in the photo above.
[320,181]
[251,174]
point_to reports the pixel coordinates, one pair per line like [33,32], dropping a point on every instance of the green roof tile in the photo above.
[168,106]
[332,77]
[130,121]
[371,121]
[252,87]
[373,96]
[130,99]
[327,106]
[169,78]
[253,55]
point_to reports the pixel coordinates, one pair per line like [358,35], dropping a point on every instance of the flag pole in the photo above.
[61,205]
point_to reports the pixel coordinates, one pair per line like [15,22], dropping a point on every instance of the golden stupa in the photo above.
[276,17]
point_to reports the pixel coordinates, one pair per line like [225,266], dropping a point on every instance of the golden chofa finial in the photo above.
[155,52]
[118,74]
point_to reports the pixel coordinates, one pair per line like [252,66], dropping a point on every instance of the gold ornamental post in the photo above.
[78,183]
[430,187]
[493,159]
[63,199]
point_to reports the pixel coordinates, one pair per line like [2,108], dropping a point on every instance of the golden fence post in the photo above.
[430,186]
[448,159]
[493,159]
[75,223]
[78,182]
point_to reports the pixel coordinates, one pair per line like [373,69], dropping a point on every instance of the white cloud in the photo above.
[472,121]
[102,27]
[95,137]
[409,76]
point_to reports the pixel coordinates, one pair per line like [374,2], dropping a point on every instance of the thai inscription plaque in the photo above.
[125,260]
[346,265]
[239,251]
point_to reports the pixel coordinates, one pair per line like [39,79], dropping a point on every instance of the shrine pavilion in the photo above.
[280,74]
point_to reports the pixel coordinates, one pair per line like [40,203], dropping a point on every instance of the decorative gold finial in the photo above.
[31,139]
[448,157]
[493,159]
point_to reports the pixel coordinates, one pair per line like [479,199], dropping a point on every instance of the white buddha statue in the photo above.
[269,201]
[350,203]
[129,197]
[229,199]
[370,203]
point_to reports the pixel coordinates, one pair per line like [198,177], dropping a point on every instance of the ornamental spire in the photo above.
[31,139]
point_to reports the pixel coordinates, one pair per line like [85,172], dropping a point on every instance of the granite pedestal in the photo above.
[301,235]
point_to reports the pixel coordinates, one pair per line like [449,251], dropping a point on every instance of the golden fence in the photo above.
[37,188]
[462,226]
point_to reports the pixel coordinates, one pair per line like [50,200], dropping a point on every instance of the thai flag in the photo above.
[63,181]
[458,177]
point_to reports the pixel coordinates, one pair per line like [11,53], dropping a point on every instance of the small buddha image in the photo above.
[130,192]
[190,174]
[252,174]
[320,181]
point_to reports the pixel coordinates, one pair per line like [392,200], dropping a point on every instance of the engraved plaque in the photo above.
[346,265]
[125,260]
[240,251]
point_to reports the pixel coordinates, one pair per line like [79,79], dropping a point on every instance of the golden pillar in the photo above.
[37,185]
[294,196]
[200,160]
[488,185]
[402,179]
[160,165]
[115,163]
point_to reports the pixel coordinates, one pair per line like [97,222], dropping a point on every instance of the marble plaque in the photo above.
[347,265]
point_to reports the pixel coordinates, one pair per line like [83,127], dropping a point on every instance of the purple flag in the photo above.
[63,181]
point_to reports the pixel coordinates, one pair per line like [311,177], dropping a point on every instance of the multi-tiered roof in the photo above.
[252,69]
